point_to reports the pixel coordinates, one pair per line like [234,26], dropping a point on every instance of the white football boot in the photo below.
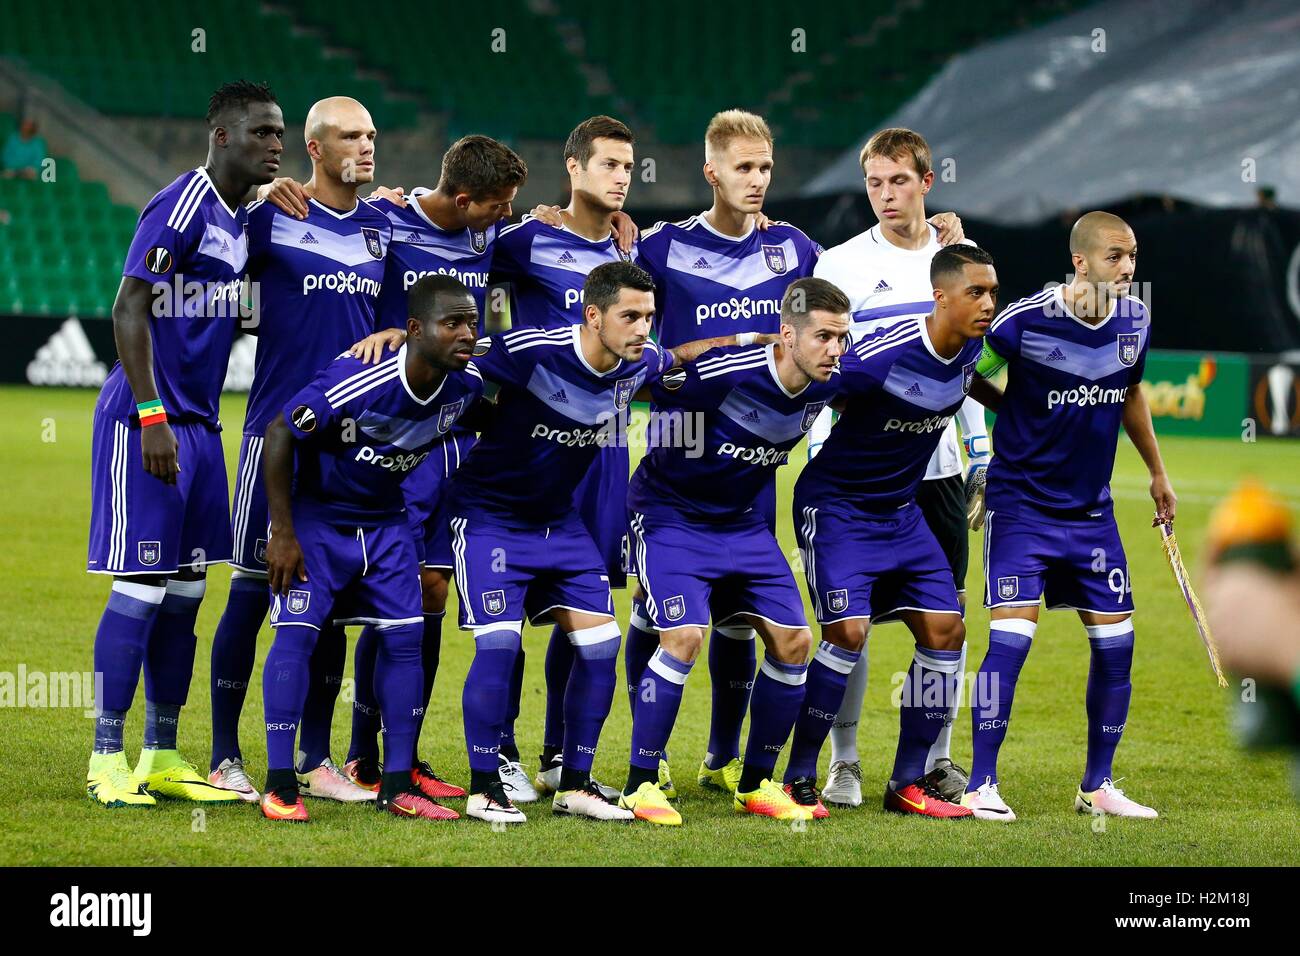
[987,803]
[328,782]
[514,778]
[843,784]
[589,802]
[494,806]
[1110,800]
[230,775]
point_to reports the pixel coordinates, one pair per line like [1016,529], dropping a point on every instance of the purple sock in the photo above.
[828,674]
[732,660]
[589,694]
[326,670]
[642,642]
[509,749]
[657,703]
[430,653]
[1109,690]
[365,705]
[995,688]
[778,692]
[284,688]
[484,699]
[234,648]
[120,645]
[169,661]
[559,665]
[399,682]
[927,695]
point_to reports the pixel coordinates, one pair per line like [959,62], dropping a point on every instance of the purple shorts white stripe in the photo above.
[250,517]
[139,524]
[1072,563]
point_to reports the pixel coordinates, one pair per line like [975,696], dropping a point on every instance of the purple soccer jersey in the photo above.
[545,268]
[899,397]
[746,424]
[319,281]
[193,248]
[708,284]
[190,243]
[554,414]
[1064,403]
[420,247]
[363,432]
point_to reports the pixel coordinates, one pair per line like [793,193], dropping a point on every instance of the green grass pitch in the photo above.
[1218,807]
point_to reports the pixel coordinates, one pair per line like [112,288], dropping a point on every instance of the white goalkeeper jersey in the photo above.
[887,284]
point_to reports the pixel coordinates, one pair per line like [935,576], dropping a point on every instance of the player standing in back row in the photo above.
[1074,356]
[159,512]
[885,272]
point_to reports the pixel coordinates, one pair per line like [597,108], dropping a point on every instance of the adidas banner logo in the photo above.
[67,359]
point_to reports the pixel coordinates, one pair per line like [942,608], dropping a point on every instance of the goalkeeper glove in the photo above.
[977,466]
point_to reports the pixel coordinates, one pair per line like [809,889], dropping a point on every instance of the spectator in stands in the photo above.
[24,152]
[1266,197]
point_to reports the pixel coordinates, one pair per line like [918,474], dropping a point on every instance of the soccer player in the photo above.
[705,548]
[341,549]
[159,511]
[866,548]
[544,267]
[717,273]
[448,230]
[885,272]
[316,283]
[521,548]
[1074,356]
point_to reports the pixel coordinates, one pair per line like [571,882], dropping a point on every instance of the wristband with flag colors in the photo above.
[151,413]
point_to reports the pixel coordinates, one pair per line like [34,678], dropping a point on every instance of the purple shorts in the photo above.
[1072,563]
[355,575]
[140,525]
[601,500]
[425,491]
[506,574]
[691,572]
[250,518]
[861,565]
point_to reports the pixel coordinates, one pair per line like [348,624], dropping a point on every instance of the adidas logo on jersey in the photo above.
[883,286]
[308,240]
[412,237]
[567,259]
[914,390]
[1056,355]
[701,263]
[225,246]
[66,359]
[751,417]
[559,397]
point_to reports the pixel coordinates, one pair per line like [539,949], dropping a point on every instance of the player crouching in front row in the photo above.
[340,549]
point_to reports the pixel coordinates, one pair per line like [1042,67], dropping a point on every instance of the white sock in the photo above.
[942,746]
[844,732]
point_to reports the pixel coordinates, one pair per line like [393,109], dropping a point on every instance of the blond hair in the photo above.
[734,124]
[900,145]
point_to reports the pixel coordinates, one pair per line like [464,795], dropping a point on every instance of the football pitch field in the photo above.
[1218,807]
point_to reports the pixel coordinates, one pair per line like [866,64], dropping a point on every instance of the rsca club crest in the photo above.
[1128,344]
[1008,587]
[494,602]
[297,601]
[967,376]
[774,257]
[675,608]
[810,413]
[373,244]
[259,550]
[837,601]
[623,392]
[448,414]
[478,240]
[150,552]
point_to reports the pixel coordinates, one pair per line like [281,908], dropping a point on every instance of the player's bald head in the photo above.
[334,113]
[1096,230]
